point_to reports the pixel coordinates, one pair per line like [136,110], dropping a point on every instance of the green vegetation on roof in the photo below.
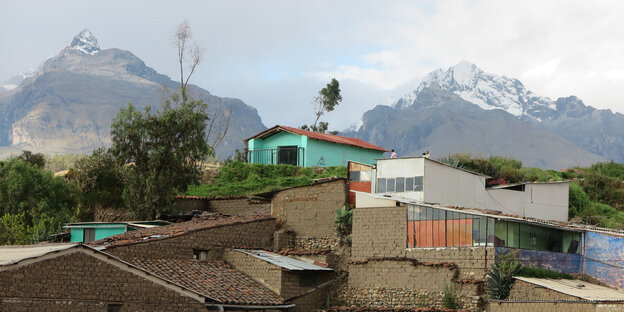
[237,178]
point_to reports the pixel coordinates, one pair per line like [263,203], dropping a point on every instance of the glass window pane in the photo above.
[409,184]
[490,232]
[513,234]
[555,240]
[525,236]
[476,226]
[400,185]
[418,184]
[539,240]
[390,185]
[500,234]
[381,185]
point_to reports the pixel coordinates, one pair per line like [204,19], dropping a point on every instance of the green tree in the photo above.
[328,98]
[159,153]
[36,159]
[33,202]
[100,181]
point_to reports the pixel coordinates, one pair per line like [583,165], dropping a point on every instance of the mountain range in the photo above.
[67,104]
[464,109]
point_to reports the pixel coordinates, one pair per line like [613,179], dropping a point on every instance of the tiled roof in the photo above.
[215,279]
[321,136]
[162,232]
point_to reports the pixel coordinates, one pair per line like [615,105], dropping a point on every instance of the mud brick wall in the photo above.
[237,206]
[261,271]
[385,273]
[503,306]
[382,232]
[379,232]
[257,234]
[283,282]
[310,210]
[526,291]
[399,274]
[230,206]
[79,282]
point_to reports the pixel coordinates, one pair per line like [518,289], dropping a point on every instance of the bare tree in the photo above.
[189,58]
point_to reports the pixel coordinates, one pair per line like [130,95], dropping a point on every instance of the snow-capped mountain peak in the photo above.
[486,90]
[85,42]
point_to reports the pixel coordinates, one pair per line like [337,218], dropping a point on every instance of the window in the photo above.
[88,235]
[114,308]
[400,184]
[535,237]
[381,185]
[287,155]
[307,279]
[432,227]
[199,254]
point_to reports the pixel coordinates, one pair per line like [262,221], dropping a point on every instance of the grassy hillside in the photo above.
[596,192]
[238,178]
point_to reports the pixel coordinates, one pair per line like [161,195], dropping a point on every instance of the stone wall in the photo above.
[258,234]
[526,291]
[310,211]
[79,282]
[502,306]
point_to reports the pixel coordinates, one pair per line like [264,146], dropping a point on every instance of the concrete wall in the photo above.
[546,201]
[323,154]
[604,258]
[401,167]
[79,282]
[449,186]
[310,211]
[258,234]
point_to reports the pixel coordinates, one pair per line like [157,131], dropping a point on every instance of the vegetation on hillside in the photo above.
[33,202]
[596,192]
[238,178]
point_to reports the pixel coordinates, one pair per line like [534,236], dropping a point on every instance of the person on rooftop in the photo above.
[393,155]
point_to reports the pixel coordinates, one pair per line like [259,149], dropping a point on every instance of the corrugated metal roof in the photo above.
[12,254]
[577,288]
[283,261]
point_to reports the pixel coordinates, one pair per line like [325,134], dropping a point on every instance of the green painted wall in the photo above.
[324,154]
[77,234]
[317,152]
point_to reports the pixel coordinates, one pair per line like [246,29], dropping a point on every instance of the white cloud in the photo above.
[276,55]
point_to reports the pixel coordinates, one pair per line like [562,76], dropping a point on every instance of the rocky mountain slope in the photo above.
[68,104]
[439,118]
[598,131]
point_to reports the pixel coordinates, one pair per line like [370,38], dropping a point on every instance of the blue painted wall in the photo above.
[562,262]
[604,258]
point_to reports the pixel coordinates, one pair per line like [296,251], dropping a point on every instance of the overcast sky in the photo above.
[275,55]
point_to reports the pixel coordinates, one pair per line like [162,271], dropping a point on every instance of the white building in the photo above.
[431,182]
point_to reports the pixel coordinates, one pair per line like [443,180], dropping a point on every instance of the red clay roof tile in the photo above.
[323,137]
[214,279]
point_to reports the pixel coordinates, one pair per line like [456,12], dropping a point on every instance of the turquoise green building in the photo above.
[287,145]
[85,232]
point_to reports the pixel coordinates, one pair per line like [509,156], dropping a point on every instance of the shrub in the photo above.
[542,273]
[449,298]
[343,224]
[499,279]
